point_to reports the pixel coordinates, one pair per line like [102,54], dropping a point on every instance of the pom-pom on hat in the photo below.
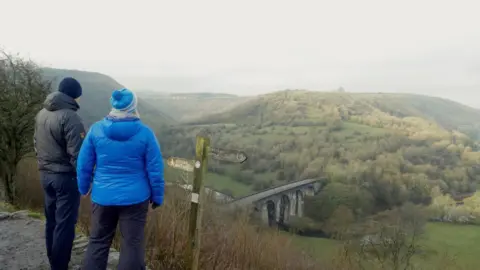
[124,100]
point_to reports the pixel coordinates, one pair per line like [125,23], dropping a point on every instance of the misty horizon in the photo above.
[256,47]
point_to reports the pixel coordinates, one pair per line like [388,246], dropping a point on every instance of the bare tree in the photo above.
[394,237]
[22,92]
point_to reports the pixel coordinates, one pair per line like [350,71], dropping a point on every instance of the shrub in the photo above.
[227,241]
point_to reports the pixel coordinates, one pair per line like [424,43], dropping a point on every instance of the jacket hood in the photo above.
[59,101]
[121,129]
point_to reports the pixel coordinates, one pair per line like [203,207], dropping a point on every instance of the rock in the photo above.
[80,239]
[19,214]
[113,258]
[4,215]
[80,246]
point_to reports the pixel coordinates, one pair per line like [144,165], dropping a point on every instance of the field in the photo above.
[322,248]
[460,242]
[223,182]
[445,245]
[213,180]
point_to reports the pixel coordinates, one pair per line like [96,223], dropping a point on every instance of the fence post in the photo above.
[199,171]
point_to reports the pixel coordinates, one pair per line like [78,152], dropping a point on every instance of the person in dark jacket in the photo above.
[121,161]
[59,133]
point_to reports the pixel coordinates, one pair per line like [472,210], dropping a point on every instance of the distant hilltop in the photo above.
[199,96]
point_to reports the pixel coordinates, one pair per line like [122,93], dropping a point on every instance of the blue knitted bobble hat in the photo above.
[124,100]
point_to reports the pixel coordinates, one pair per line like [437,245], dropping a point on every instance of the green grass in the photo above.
[5,207]
[216,181]
[459,241]
[36,215]
[220,182]
[319,247]
[458,245]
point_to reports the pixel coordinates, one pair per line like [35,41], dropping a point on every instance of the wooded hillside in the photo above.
[378,150]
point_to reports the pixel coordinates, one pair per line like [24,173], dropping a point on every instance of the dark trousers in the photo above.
[132,219]
[62,200]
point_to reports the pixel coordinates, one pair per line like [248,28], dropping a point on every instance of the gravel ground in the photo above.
[22,244]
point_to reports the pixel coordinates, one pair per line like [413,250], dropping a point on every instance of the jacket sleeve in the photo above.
[74,135]
[154,166]
[86,164]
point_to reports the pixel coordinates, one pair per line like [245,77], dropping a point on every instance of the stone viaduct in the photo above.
[277,204]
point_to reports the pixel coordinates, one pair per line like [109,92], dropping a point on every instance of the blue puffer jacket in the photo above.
[124,157]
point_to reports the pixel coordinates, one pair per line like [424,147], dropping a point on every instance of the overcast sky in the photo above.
[248,47]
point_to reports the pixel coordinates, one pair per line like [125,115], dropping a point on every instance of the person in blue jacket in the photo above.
[120,160]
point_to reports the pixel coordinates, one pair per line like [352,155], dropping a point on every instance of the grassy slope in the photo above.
[322,248]
[448,114]
[222,182]
[459,241]
[445,112]
[443,242]
[219,182]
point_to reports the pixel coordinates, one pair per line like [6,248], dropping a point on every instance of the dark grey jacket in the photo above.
[59,134]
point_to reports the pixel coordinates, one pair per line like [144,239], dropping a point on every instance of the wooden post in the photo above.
[200,168]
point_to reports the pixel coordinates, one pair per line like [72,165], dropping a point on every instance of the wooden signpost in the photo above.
[199,168]
[181,164]
[234,156]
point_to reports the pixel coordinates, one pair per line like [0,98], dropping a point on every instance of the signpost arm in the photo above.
[199,171]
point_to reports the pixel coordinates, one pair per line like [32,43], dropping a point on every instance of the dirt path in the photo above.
[22,244]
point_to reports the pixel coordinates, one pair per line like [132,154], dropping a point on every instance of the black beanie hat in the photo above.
[70,87]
